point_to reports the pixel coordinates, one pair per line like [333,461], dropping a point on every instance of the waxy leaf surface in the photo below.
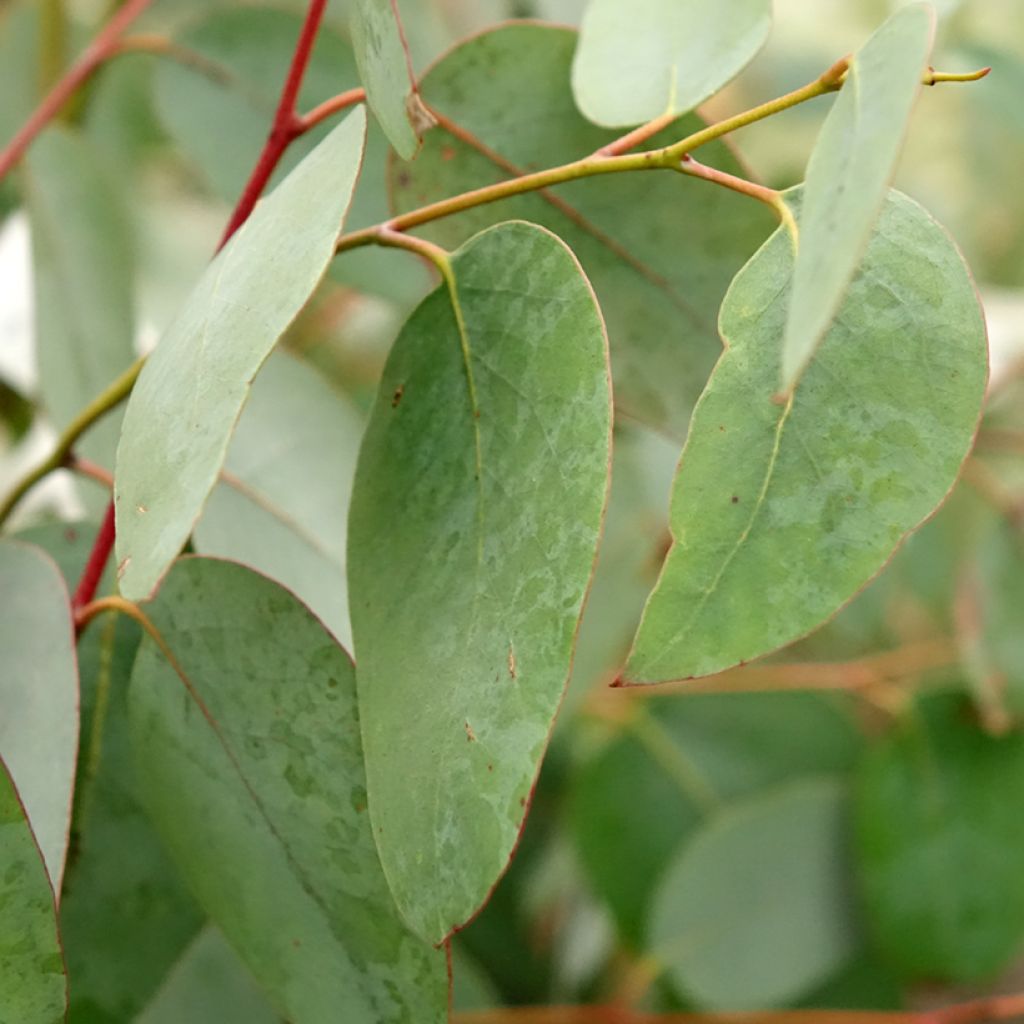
[781,513]
[474,523]
[640,60]
[940,841]
[848,175]
[385,71]
[660,249]
[189,396]
[39,695]
[758,908]
[252,769]
[33,986]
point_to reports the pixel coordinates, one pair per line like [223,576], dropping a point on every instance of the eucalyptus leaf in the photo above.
[650,58]
[249,757]
[781,513]
[487,457]
[39,695]
[848,175]
[191,391]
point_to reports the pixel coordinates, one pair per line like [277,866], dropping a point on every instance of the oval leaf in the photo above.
[848,174]
[649,58]
[255,780]
[33,986]
[190,393]
[487,459]
[775,868]
[385,70]
[659,251]
[781,513]
[940,841]
[39,695]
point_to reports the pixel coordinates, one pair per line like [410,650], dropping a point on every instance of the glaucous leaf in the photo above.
[641,60]
[282,501]
[33,986]
[191,391]
[848,175]
[82,277]
[756,909]
[660,251]
[475,516]
[252,769]
[940,841]
[767,495]
[39,695]
[385,70]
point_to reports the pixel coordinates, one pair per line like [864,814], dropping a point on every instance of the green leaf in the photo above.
[253,774]
[767,494]
[33,987]
[82,275]
[385,70]
[649,58]
[848,175]
[39,695]
[756,909]
[281,504]
[475,516]
[184,407]
[660,251]
[940,839]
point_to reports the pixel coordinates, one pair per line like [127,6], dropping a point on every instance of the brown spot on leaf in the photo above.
[735,500]
[448,153]
[397,396]
[71,535]
[403,179]
[470,735]
[511,661]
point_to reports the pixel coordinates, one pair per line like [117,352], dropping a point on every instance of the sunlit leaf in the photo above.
[189,396]
[781,513]
[641,60]
[252,769]
[487,459]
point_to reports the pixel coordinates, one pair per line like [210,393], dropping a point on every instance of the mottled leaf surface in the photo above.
[637,61]
[189,396]
[33,988]
[475,517]
[385,71]
[848,175]
[757,909]
[659,251]
[252,769]
[940,841]
[781,513]
[39,695]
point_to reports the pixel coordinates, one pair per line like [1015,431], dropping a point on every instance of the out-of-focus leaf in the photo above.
[252,769]
[487,454]
[188,398]
[19,67]
[39,695]
[940,841]
[281,506]
[641,60]
[756,909]
[869,445]
[660,251]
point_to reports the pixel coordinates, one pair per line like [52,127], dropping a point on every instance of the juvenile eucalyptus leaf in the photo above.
[781,513]
[849,172]
[638,61]
[757,909]
[940,841]
[251,766]
[190,394]
[475,515]
[39,695]
[385,71]
[659,251]
[33,986]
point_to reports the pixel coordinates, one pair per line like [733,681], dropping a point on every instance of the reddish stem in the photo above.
[329,107]
[98,557]
[103,46]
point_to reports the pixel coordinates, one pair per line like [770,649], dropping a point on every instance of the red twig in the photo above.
[102,546]
[103,46]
